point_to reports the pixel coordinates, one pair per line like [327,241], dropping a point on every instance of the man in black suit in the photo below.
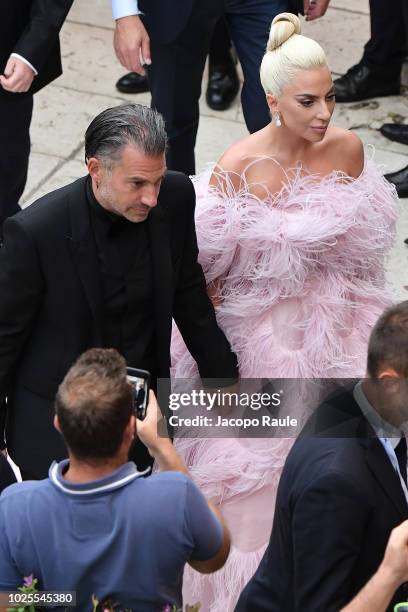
[180,33]
[343,488]
[378,73]
[103,262]
[29,59]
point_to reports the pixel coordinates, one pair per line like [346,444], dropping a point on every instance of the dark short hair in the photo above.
[94,404]
[388,344]
[116,127]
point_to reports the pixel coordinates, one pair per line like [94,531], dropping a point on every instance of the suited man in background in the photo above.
[106,261]
[30,58]
[342,490]
[173,41]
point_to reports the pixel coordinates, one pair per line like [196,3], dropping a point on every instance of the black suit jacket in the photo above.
[6,474]
[337,502]
[51,304]
[31,29]
[165,19]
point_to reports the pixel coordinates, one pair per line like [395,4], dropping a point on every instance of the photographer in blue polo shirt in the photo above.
[95,526]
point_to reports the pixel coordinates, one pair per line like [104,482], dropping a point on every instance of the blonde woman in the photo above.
[293,225]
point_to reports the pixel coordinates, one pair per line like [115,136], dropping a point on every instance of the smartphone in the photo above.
[140,381]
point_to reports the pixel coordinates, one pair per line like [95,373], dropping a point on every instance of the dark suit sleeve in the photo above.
[21,289]
[328,524]
[41,33]
[6,474]
[194,312]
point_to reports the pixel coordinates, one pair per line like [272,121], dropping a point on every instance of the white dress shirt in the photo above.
[388,435]
[124,8]
[23,59]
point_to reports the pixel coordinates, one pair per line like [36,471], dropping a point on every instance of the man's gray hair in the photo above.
[129,124]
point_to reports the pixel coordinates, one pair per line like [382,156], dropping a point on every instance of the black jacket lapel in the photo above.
[82,246]
[384,472]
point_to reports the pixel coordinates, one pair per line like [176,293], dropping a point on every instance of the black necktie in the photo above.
[401,453]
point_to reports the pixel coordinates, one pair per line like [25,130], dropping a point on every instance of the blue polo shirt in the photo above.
[123,536]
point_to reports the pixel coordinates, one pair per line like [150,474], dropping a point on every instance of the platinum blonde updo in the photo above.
[287,52]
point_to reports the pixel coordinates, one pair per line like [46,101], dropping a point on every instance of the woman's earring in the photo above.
[277,119]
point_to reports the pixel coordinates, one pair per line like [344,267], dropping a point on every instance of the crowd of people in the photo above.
[268,265]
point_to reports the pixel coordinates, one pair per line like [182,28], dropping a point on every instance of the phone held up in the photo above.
[140,382]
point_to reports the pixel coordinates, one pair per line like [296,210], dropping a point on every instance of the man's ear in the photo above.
[94,166]
[130,429]
[56,423]
[389,379]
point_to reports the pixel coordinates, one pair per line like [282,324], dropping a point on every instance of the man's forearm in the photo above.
[168,458]
[376,595]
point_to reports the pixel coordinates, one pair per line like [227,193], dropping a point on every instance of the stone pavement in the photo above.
[64,109]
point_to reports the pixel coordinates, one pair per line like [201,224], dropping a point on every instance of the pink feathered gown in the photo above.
[302,277]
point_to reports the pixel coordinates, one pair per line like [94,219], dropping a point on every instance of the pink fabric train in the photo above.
[302,282]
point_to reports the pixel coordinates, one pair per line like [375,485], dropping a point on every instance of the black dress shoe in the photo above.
[395,131]
[133,83]
[400,180]
[360,83]
[223,86]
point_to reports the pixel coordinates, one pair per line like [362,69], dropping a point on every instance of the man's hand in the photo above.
[395,560]
[147,430]
[315,8]
[131,43]
[17,76]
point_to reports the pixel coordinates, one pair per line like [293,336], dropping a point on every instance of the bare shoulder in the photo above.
[347,149]
[235,160]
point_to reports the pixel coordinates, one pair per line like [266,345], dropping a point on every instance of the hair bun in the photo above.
[283,27]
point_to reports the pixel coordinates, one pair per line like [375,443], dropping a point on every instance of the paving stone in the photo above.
[39,168]
[342,35]
[214,137]
[92,12]
[67,173]
[89,61]
[371,113]
[354,6]
[61,117]
[376,140]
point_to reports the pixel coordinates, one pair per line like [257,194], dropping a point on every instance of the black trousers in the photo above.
[220,50]
[177,68]
[15,118]
[385,51]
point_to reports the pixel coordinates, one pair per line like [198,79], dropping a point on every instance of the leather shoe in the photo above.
[395,131]
[360,83]
[133,83]
[223,86]
[400,180]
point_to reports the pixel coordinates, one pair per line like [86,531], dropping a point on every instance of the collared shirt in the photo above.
[124,8]
[121,536]
[127,285]
[388,434]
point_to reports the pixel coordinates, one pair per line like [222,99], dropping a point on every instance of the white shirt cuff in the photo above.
[124,8]
[23,59]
